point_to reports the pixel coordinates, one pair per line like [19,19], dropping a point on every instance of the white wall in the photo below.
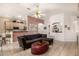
[53,19]
[64,19]
[70,35]
[41,28]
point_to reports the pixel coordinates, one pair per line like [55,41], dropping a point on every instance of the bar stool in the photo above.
[8,37]
[1,44]
[4,38]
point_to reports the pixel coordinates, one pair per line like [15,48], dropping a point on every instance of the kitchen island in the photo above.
[17,33]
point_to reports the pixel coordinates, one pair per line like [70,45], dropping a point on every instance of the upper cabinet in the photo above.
[8,23]
[15,25]
[2,23]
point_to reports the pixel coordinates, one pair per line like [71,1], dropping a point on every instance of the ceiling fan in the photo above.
[37,13]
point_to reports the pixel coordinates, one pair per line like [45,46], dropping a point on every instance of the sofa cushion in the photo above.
[30,37]
[35,36]
[39,35]
[30,41]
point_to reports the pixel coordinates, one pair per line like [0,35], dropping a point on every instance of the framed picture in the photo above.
[57,27]
[45,27]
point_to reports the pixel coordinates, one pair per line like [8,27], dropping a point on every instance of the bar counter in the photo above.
[17,33]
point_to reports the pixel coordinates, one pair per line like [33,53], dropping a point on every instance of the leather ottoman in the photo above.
[39,47]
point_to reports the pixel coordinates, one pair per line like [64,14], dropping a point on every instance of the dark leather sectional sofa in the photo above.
[25,41]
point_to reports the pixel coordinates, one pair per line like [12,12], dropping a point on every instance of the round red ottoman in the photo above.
[39,47]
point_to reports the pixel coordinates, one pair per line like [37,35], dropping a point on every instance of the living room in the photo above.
[46,29]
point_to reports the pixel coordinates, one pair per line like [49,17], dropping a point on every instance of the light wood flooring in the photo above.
[56,49]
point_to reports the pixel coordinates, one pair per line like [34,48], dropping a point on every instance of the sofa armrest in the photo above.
[21,41]
[50,40]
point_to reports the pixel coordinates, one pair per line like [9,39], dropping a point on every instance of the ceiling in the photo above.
[20,9]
